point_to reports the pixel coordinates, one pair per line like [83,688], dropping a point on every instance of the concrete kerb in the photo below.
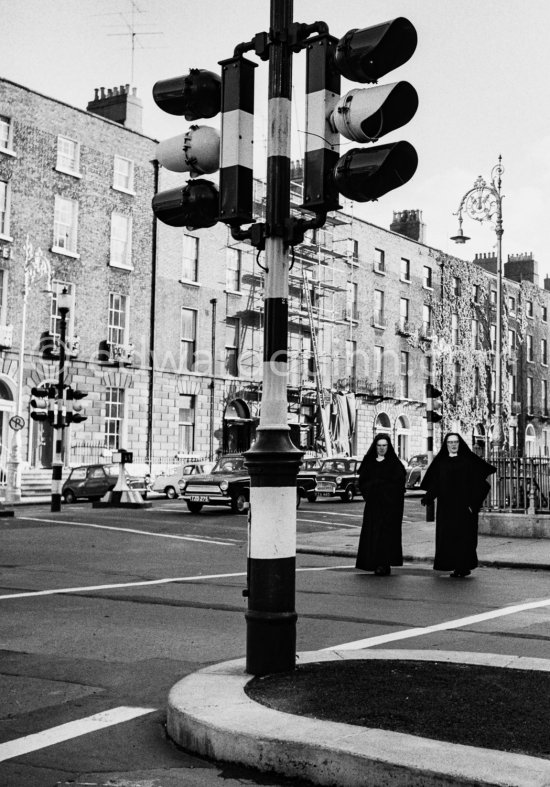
[209,714]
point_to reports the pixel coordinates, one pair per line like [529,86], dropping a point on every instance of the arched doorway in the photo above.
[382,423]
[238,427]
[7,408]
[530,440]
[402,432]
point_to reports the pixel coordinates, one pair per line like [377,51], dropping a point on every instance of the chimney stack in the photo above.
[119,105]
[410,224]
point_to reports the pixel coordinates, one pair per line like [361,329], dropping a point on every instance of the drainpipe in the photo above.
[214,303]
[152,320]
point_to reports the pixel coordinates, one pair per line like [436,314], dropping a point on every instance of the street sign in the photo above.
[16,422]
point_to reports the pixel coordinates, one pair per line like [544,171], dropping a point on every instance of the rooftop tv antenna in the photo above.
[133,32]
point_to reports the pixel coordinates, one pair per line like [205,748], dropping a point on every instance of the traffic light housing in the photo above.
[75,406]
[361,115]
[43,404]
[433,407]
[200,151]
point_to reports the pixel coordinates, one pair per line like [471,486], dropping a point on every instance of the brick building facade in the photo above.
[168,322]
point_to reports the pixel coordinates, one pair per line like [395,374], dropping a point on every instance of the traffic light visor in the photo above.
[365,115]
[197,151]
[366,55]
[194,206]
[365,174]
[195,95]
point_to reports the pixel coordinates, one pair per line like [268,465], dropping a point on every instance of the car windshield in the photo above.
[336,466]
[417,460]
[229,465]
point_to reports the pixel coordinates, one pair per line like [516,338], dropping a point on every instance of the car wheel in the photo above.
[69,496]
[194,507]
[170,492]
[298,499]
[348,495]
[312,497]
[239,504]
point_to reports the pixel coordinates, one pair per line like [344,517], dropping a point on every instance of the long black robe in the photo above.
[382,484]
[459,484]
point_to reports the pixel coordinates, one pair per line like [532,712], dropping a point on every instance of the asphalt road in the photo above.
[104,610]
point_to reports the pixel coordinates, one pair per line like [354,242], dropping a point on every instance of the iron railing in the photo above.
[521,484]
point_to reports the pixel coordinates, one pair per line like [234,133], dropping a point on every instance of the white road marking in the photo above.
[205,540]
[144,583]
[370,642]
[72,729]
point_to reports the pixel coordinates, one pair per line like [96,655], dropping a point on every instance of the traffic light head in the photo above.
[365,174]
[196,95]
[75,410]
[197,151]
[434,410]
[194,206]
[39,403]
[368,54]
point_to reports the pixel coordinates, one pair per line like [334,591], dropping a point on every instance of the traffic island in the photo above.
[210,713]
[122,495]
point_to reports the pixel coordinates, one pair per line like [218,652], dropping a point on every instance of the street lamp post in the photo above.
[483,202]
[36,266]
[63,306]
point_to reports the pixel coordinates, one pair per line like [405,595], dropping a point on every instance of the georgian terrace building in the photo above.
[165,326]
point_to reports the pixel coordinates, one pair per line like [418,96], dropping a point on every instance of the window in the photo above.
[428,366]
[456,378]
[529,394]
[233,270]
[55,316]
[544,351]
[426,320]
[529,340]
[378,362]
[114,413]
[475,293]
[123,174]
[454,329]
[456,285]
[4,208]
[379,261]
[68,156]
[475,334]
[493,336]
[118,313]
[186,424]
[512,339]
[65,225]
[427,277]
[512,305]
[121,241]
[5,133]
[544,396]
[493,296]
[404,374]
[3,296]
[190,258]
[379,307]
[403,313]
[232,346]
[405,269]
[354,248]
[188,338]
[529,308]
[351,301]
[351,359]
[544,313]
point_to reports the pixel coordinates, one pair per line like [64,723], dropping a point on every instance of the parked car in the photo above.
[339,477]
[416,469]
[94,481]
[168,480]
[228,484]
[307,479]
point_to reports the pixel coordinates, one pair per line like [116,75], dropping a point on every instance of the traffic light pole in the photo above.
[59,422]
[273,460]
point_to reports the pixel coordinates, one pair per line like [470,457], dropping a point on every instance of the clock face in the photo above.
[481,204]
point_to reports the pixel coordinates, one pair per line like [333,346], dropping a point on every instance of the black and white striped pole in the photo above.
[63,305]
[273,460]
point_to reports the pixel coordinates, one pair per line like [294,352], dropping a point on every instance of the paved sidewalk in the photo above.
[419,541]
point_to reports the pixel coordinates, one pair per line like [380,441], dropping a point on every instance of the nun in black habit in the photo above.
[457,478]
[382,484]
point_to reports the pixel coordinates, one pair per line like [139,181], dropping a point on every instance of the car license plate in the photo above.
[199,498]
[324,494]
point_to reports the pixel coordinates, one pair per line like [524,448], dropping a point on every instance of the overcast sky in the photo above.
[480,69]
